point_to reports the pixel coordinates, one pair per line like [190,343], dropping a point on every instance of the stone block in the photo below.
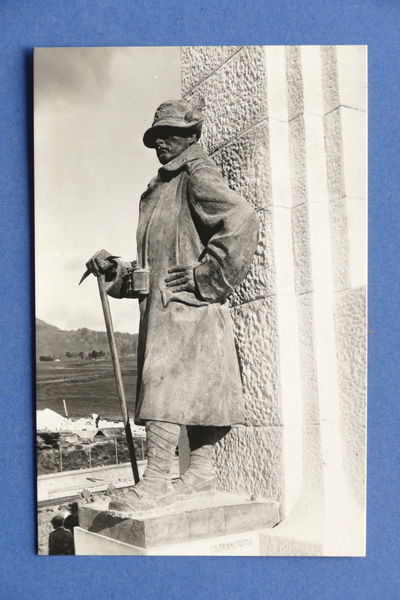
[308,368]
[325,357]
[280,163]
[283,250]
[350,313]
[260,281]
[316,176]
[198,62]
[354,140]
[294,82]
[275,58]
[280,545]
[247,543]
[320,246]
[249,461]
[330,86]
[292,412]
[235,97]
[334,155]
[301,249]
[245,164]
[88,543]
[344,76]
[356,211]
[339,244]
[297,160]
[350,319]
[255,327]
[203,516]
[352,76]
[312,80]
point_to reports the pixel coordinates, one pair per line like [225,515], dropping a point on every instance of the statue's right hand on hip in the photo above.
[101,262]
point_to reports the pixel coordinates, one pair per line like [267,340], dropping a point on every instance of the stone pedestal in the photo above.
[218,524]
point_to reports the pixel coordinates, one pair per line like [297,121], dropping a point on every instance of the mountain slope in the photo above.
[55,342]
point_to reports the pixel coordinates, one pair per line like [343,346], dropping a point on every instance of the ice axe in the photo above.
[101,282]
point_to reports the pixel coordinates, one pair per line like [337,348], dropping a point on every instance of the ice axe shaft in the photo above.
[118,375]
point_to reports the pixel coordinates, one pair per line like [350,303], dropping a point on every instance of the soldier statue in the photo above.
[196,239]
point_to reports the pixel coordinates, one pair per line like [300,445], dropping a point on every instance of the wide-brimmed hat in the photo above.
[175,113]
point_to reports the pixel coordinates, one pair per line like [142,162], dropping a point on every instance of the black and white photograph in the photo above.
[201,300]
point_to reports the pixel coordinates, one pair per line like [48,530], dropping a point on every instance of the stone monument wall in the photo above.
[286,126]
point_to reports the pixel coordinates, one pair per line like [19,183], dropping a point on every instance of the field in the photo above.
[88,386]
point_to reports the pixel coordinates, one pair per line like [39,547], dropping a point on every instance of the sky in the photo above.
[92,106]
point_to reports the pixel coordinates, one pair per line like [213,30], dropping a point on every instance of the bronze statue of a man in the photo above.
[196,239]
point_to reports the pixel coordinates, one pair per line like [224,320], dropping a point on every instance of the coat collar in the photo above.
[194,152]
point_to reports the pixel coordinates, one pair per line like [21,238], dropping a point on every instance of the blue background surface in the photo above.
[25,24]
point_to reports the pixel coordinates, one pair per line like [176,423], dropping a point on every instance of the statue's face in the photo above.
[171,142]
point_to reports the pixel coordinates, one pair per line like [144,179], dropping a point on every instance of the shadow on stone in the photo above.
[105,520]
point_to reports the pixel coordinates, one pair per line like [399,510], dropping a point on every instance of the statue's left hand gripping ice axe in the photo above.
[101,282]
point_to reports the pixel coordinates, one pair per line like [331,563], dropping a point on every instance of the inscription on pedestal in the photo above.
[247,544]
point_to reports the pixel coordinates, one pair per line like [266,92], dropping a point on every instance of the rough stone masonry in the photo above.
[286,125]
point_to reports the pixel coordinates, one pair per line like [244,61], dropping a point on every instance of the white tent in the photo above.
[49,420]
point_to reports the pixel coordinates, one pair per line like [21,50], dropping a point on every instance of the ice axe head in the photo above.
[88,271]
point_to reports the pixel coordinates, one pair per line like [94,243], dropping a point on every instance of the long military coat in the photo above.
[188,369]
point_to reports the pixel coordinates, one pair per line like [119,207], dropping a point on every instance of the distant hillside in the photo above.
[52,341]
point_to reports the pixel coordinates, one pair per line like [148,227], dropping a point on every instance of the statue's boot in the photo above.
[155,489]
[200,476]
